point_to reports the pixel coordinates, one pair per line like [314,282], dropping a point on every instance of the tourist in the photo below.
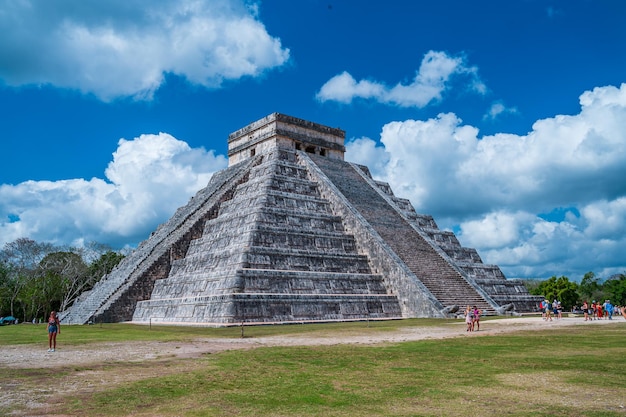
[599,314]
[476,323]
[592,310]
[54,327]
[555,311]
[548,310]
[608,308]
[586,310]
[469,318]
[542,308]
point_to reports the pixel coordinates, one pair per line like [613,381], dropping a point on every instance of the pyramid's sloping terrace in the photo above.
[290,232]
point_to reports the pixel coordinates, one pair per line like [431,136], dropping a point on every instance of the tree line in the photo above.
[36,278]
[571,294]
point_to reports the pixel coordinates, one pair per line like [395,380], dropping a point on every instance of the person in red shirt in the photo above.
[598,311]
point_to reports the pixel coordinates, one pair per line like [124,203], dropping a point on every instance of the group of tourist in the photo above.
[551,309]
[599,311]
[472,318]
[593,311]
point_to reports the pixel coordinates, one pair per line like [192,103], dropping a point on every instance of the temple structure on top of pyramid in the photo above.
[290,232]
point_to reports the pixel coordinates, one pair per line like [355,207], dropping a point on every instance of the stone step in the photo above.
[279,200]
[277,281]
[258,257]
[276,216]
[271,308]
[278,183]
[301,240]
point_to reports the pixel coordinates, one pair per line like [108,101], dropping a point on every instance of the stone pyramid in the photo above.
[290,232]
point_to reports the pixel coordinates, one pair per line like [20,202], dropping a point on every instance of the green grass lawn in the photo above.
[568,371]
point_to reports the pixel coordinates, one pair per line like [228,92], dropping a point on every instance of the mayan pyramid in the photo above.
[290,232]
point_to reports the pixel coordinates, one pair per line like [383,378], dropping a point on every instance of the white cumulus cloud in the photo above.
[123,48]
[147,180]
[432,79]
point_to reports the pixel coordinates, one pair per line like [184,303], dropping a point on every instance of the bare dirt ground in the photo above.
[95,358]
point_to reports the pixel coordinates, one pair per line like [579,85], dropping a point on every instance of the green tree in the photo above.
[615,289]
[560,289]
[100,260]
[38,277]
[5,288]
[589,287]
[104,265]
[22,256]
[63,277]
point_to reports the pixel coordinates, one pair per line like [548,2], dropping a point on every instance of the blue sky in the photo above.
[506,121]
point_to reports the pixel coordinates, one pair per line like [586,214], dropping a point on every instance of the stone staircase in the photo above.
[489,278]
[443,280]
